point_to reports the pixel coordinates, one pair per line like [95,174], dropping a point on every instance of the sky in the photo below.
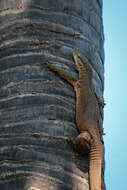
[115,94]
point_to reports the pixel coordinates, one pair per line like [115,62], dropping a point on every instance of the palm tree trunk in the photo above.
[37,107]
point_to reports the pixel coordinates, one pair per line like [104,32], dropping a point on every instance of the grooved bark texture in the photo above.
[37,107]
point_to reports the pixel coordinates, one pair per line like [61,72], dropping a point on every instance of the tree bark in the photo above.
[37,107]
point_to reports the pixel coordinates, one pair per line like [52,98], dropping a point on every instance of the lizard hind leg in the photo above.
[82,143]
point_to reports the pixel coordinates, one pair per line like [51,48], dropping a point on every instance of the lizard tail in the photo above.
[96,158]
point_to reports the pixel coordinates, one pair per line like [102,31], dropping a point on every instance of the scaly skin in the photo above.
[87,116]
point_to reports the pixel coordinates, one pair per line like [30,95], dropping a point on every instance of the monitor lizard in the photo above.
[87,116]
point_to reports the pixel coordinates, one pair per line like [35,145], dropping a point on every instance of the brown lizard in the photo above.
[87,116]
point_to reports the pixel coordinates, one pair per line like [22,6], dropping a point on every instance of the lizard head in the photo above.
[78,60]
[80,64]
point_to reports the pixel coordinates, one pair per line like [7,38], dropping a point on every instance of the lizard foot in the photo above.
[81,143]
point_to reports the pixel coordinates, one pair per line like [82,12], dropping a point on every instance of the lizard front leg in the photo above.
[60,72]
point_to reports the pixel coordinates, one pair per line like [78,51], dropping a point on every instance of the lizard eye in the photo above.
[77,84]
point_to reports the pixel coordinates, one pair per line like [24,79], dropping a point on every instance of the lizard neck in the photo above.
[85,76]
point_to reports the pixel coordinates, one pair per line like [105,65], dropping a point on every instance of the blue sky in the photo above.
[115,120]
